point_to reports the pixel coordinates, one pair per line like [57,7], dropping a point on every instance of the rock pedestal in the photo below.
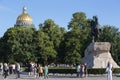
[97,55]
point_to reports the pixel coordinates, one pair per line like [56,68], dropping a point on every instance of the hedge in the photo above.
[66,70]
[72,71]
[62,71]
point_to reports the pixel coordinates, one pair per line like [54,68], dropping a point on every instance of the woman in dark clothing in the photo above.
[29,68]
[86,72]
[5,70]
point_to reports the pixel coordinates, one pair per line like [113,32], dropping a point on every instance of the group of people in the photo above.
[82,70]
[37,70]
[6,69]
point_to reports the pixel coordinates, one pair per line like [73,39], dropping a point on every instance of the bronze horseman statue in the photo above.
[95,30]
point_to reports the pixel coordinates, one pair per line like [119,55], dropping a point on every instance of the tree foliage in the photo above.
[74,40]
[55,34]
[17,44]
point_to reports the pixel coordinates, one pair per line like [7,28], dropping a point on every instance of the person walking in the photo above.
[46,71]
[82,70]
[13,66]
[78,70]
[17,69]
[29,69]
[109,71]
[5,71]
[1,68]
[40,71]
[35,70]
[86,71]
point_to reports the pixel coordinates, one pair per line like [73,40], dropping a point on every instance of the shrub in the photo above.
[68,70]
[73,70]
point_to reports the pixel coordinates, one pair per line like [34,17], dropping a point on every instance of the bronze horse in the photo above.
[95,30]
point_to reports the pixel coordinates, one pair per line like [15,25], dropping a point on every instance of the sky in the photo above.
[60,11]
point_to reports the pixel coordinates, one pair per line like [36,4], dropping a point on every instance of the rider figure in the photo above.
[95,31]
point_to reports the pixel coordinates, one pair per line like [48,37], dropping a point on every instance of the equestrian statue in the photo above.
[95,30]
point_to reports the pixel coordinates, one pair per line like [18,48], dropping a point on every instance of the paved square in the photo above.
[61,77]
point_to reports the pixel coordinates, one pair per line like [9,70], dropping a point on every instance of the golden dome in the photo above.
[24,18]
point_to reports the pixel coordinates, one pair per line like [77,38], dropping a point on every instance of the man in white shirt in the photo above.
[109,71]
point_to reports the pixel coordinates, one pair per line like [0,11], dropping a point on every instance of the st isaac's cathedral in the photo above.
[24,19]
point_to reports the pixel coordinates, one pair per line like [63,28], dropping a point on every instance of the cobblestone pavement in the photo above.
[61,77]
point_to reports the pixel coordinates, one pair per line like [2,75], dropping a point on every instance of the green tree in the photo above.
[18,45]
[78,21]
[77,39]
[54,32]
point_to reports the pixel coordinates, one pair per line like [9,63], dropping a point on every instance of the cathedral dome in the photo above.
[24,19]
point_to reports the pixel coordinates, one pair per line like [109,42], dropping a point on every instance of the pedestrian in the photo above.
[82,70]
[1,68]
[13,66]
[109,71]
[86,71]
[17,69]
[5,71]
[40,71]
[78,70]
[10,69]
[29,69]
[35,70]
[46,71]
